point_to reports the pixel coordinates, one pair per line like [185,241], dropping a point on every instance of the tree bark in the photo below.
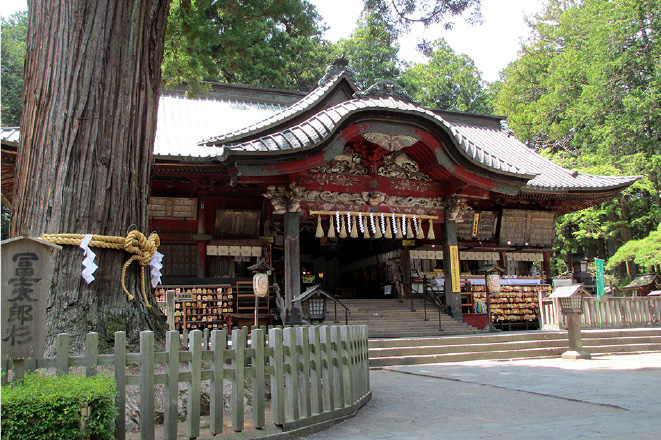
[92,78]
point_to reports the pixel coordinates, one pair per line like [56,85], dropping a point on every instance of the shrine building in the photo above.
[353,189]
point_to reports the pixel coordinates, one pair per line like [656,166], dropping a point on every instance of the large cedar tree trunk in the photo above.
[92,77]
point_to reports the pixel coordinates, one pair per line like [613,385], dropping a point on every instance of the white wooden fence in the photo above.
[317,374]
[605,312]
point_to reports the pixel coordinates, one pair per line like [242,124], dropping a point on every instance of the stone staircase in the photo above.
[388,318]
[507,345]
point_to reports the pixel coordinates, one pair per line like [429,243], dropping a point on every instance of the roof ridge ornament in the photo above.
[339,65]
[386,89]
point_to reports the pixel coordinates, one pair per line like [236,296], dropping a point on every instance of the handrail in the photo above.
[347,312]
[425,296]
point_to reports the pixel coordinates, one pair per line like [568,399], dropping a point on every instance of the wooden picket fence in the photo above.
[606,312]
[317,374]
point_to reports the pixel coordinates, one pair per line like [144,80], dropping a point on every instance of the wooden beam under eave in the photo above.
[279,180]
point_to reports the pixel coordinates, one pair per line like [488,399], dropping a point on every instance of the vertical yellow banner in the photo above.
[476,224]
[454,263]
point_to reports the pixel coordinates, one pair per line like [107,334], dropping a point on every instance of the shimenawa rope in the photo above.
[135,243]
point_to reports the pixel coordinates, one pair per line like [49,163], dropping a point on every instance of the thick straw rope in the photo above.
[134,243]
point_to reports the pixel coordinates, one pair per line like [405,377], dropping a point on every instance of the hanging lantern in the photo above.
[343,229]
[430,234]
[331,228]
[320,230]
[354,228]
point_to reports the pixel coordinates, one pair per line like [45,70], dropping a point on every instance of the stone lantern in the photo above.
[571,305]
[313,301]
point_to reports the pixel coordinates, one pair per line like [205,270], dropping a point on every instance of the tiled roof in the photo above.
[550,176]
[182,121]
[642,281]
[10,135]
[299,107]
[320,126]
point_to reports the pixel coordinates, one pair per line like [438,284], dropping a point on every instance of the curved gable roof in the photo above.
[324,124]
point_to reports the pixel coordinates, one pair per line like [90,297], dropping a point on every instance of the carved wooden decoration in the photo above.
[349,162]
[373,198]
[401,166]
[455,208]
[285,199]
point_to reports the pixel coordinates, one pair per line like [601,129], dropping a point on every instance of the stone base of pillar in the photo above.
[576,355]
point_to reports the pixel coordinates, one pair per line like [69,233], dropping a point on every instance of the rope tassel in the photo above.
[320,230]
[409,231]
[354,229]
[430,234]
[420,235]
[343,229]
[331,228]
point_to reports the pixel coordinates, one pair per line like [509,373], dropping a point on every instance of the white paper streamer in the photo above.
[349,225]
[156,264]
[394,224]
[383,224]
[89,267]
[337,223]
[415,224]
[360,223]
[372,223]
[404,224]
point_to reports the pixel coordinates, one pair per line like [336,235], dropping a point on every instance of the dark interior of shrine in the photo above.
[349,267]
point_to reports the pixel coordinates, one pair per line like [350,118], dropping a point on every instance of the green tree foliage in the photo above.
[586,91]
[645,252]
[448,81]
[275,43]
[371,50]
[5,219]
[14,32]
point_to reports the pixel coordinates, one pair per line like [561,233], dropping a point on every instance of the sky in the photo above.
[492,45]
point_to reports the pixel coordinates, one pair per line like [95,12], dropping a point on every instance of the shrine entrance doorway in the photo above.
[364,266]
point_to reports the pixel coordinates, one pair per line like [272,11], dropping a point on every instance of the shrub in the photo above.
[59,408]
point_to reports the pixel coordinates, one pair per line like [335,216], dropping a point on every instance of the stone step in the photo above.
[388,318]
[507,345]
[589,343]
[505,354]
[510,336]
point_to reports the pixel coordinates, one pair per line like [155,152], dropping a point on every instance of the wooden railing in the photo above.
[610,312]
[426,296]
[316,375]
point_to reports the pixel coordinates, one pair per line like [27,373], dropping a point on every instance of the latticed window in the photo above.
[316,306]
[179,259]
